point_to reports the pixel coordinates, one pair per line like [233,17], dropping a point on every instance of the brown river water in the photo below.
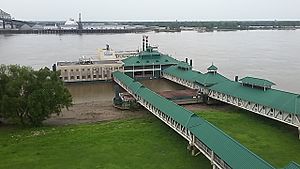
[274,55]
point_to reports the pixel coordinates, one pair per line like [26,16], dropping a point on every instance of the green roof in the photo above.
[149,58]
[209,79]
[257,82]
[184,65]
[280,100]
[233,153]
[212,67]
[292,165]
[206,79]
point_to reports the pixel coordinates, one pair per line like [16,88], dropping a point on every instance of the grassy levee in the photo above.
[274,141]
[125,144]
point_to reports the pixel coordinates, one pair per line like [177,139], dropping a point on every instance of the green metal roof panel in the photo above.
[233,153]
[149,58]
[283,101]
[292,165]
[206,79]
[212,67]
[256,81]
[209,79]
[178,113]
[188,75]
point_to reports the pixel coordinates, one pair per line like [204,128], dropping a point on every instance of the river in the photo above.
[273,55]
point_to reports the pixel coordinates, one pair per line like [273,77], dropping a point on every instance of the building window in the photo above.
[66,78]
[77,70]
[88,69]
[83,77]
[89,76]
[82,69]
[78,77]
[94,76]
[71,70]
[100,76]
[66,70]
[72,78]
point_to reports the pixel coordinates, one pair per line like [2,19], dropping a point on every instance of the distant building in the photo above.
[38,27]
[51,27]
[25,27]
[69,25]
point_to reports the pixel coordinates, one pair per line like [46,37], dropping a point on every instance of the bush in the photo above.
[29,97]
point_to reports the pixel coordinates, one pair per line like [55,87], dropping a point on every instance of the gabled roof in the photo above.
[190,75]
[212,67]
[209,79]
[256,82]
[149,58]
[280,100]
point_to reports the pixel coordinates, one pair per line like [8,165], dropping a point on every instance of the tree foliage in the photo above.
[28,96]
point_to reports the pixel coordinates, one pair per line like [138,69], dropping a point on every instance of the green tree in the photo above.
[29,97]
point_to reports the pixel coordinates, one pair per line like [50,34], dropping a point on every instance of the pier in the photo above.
[249,93]
[71,31]
[203,137]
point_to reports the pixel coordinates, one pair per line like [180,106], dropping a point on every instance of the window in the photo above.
[77,70]
[78,77]
[71,70]
[72,78]
[100,76]
[66,78]
[83,77]
[82,69]
[95,76]
[89,76]
[66,70]
[88,69]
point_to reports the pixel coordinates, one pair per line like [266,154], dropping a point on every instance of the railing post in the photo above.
[299,132]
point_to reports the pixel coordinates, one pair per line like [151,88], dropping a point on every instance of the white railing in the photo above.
[194,142]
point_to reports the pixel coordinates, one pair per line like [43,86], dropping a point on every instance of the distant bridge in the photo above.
[5,17]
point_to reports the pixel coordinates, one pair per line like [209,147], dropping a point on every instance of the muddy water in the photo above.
[104,91]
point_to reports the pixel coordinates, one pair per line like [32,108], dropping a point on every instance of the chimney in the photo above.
[191,62]
[186,60]
[236,78]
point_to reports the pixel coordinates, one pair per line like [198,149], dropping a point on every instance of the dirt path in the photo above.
[93,112]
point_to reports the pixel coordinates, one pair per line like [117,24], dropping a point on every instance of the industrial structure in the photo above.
[6,18]
[203,137]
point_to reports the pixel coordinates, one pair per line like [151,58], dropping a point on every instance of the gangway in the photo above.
[203,137]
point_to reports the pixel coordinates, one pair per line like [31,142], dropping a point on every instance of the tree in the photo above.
[29,97]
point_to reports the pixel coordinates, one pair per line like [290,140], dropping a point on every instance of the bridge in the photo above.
[5,17]
[220,149]
[249,93]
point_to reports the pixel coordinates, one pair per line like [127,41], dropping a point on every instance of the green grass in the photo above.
[126,144]
[273,141]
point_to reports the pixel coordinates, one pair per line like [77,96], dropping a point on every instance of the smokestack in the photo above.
[79,22]
[54,67]
[236,78]
[191,62]
[147,45]
[186,60]
[143,43]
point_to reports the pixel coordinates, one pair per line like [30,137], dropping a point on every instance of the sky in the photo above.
[152,10]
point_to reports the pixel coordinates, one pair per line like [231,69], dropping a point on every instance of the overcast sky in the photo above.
[153,10]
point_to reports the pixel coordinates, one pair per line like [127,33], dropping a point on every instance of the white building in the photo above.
[70,24]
